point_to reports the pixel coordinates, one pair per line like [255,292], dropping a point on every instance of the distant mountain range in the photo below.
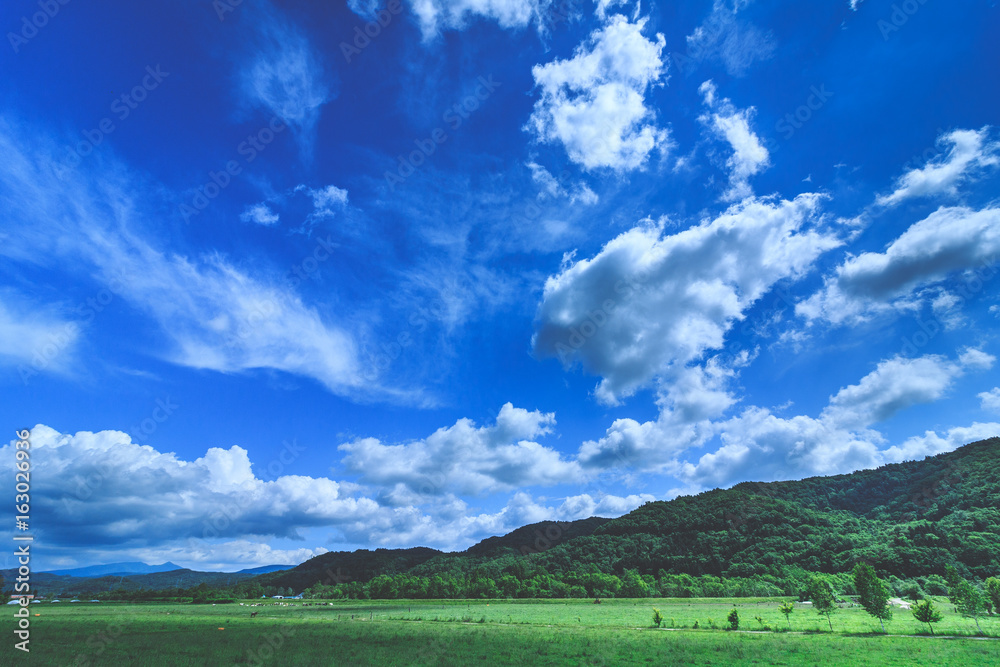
[132,575]
[117,569]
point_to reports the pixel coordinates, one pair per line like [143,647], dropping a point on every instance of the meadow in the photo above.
[456,632]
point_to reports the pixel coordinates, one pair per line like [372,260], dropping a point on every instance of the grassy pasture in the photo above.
[451,632]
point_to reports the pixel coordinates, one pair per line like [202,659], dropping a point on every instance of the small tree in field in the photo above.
[874,593]
[968,600]
[657,617]
[822,598]
[925,612]
[993,591]
[787,608]
[734,620]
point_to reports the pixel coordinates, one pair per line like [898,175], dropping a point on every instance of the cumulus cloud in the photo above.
[260,214]
[970,153]
[949,240]
[594,103]
[465,459]
[111,497]
[283,75]
[729,40]
[897,384]
[932,444]
[841,440]
[990,400]
[648,301]
[102,489]
[733,126]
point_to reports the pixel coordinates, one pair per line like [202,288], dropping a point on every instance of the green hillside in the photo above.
[908,520]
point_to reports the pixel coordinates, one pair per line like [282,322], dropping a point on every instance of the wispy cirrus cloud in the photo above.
[283,74]
[215,313]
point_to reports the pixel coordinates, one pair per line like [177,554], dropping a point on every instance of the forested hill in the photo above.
[908,520]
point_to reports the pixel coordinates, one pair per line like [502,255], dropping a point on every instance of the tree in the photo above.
[969,601]
[657,617]
[734,620]
[787,608]
[925,612]
[993,591]
[874,593]
[822,598]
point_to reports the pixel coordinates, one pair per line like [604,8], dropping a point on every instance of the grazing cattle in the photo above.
[253,613]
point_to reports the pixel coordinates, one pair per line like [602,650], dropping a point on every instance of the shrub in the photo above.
[734,620]
[657,617]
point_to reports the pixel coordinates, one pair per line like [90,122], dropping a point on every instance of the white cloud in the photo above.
[896,384]
[757,444]
[366,9]
[601,11]
[283,74]
[102,489]
[766,447]
[855,4]
[932,444]
[990,400]
[551,187]
[594,104]
[259,214]
[726,39]
[35,338]
[648,302]
[464,459]
[948,240]
[969,154]
[436,15]
[733,126]
[101,496]
[213,313]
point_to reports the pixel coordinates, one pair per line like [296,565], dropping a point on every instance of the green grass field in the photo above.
[450,632]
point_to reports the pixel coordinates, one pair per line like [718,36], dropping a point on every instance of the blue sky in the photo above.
[272,286]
